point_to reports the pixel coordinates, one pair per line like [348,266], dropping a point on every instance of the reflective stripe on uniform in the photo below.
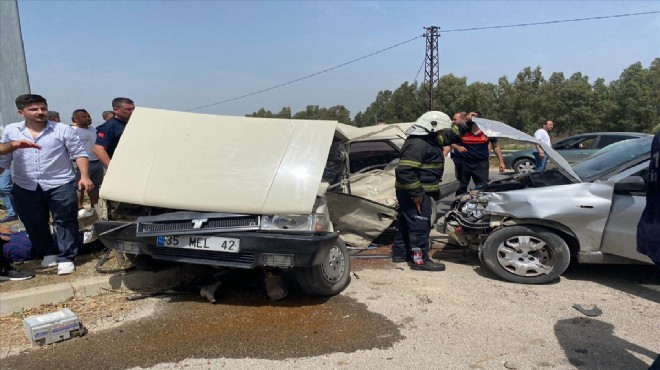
[433,165]
[409,163]
[431,187]
[413,185]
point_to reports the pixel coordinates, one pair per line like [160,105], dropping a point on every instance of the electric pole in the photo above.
[432,75]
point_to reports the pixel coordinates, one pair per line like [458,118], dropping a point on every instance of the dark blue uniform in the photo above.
[472,164]
[109,133]
[419,173]
[648,229]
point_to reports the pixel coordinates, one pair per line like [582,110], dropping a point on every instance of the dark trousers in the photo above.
[4,261]
[474,169]
[35,207]
[458,166]
[414,228]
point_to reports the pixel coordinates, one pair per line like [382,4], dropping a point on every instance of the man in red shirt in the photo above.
[471,147]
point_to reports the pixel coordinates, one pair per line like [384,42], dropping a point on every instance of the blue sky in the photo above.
[183,54]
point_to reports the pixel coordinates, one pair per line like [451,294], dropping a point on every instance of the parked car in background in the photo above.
[573,149]
[247,193]
[526,228]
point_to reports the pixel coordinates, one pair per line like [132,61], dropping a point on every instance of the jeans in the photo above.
[5,192]
[36,206]
[540,162]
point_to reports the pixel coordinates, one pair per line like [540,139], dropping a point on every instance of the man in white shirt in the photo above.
[81,124]
[542,136]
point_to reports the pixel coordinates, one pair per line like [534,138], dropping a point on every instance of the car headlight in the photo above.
[295,223]
[475,207]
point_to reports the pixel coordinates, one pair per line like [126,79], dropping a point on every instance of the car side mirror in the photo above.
[631,184]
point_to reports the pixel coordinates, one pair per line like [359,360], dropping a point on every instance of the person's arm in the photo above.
[540,150]
[6,148]
[102,155]
[454,137]
[85,184]
[498,153]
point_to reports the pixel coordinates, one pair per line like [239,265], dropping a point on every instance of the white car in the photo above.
[241,192]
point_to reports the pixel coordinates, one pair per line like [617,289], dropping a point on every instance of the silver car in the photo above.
[526,228]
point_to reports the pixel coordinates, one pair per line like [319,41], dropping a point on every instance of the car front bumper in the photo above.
[256,248]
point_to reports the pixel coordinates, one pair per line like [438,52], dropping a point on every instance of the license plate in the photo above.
[212,243]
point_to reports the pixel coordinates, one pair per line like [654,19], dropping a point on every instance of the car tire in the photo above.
[525,254]
[524,165]
[331,276]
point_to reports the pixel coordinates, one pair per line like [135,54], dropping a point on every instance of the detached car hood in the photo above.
[498,129]
[212,163]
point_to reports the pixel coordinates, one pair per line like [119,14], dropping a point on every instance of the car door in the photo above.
[620,232]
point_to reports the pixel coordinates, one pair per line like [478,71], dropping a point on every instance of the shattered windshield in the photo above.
[613,157]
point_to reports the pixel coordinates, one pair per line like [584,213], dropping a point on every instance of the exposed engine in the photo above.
[467,222]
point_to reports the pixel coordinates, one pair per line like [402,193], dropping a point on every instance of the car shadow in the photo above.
[639,280]
[591,344]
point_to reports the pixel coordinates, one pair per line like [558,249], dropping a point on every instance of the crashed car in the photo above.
[573,149]
[526,228]
[240,192]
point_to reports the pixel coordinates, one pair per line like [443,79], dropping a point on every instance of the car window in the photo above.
[370,153]
[613,157]
[581,142]
[606,140]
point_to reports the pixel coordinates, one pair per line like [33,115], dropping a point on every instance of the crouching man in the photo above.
[418,177]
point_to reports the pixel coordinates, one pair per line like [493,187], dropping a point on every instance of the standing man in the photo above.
[44,181]
[54,116]
[7,271]
[108,135]
[648,228]
[107,114]
[543,136]
[81,124]
[418,177]
[471,147]
[458,126]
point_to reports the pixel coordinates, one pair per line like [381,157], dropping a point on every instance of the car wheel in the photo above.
[330,277]
[526,254]
[524,165]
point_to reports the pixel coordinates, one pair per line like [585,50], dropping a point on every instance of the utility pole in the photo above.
[432,75]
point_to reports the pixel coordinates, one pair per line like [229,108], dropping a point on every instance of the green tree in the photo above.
[261,113]
[633,93]
[285,112]
[451,94]
[526,100]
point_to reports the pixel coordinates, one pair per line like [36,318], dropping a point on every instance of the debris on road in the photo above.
[593,312]
[52,327]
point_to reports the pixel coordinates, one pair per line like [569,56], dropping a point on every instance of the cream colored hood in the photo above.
[202,162]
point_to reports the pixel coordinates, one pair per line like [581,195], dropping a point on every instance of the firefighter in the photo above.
[418,177]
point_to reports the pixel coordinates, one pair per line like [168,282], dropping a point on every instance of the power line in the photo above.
[306,77]
[415,38]
[551,22]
